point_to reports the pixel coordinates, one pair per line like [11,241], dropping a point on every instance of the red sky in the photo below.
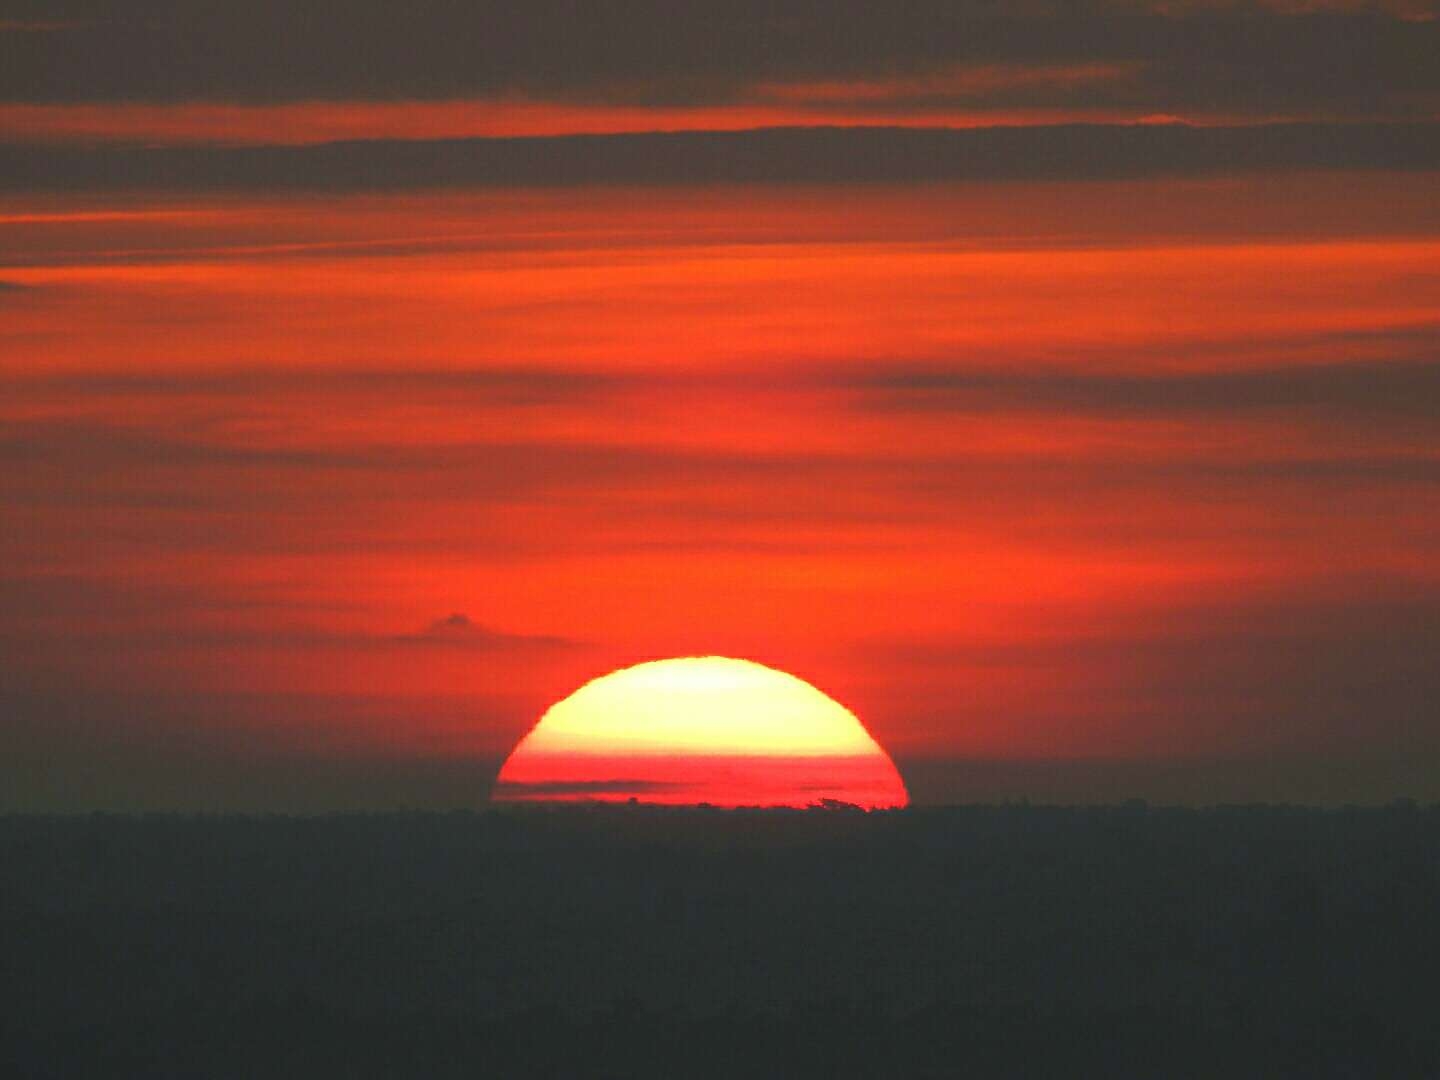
[1071,487]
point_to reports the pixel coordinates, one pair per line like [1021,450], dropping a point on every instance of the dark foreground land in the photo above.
[978,941]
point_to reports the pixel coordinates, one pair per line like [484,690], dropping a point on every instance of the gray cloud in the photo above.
[619,786]
[70,596]
[1318,779]
[1310,666]
[495,466]
[458,631]
[814,155]
[192,481]
[1303,613]
[70,748]
[47,632]
[497,386]
[1392,391]
[1260,57]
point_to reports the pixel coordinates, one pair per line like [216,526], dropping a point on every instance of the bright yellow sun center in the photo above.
[697,705]
[701,729]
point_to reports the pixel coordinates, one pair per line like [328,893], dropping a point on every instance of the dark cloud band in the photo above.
[657,52]
[1356,392]
[811,155]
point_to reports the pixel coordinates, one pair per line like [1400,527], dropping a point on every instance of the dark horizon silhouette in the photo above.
[1125,941]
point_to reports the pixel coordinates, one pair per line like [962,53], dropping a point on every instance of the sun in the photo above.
[700,729]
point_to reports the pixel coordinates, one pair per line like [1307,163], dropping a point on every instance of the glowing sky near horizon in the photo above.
[326,469]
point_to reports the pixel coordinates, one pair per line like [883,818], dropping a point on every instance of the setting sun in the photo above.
[703,729]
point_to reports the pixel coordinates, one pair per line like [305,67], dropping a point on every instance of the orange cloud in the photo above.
[300,123]
[989,460]
[982,81]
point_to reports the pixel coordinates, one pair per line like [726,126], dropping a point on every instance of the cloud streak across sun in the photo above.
[701,729]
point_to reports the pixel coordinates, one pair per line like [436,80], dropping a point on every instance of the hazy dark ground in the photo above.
[979,941]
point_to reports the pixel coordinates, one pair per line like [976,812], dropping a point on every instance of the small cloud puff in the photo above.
[459,630]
